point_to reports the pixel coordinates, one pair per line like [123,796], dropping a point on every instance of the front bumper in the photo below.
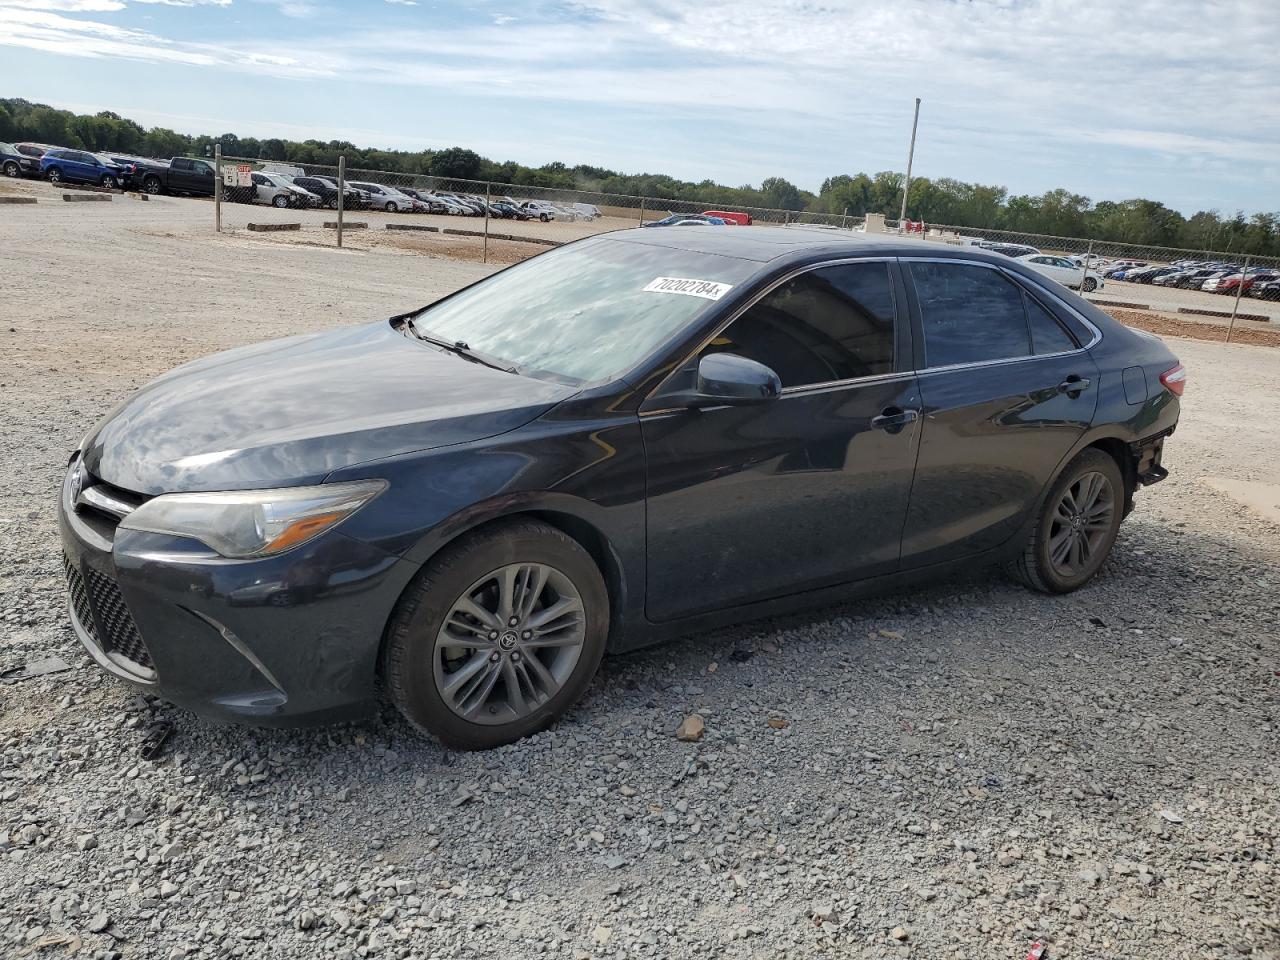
[284,640]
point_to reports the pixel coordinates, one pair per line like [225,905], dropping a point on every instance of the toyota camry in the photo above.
[625,439]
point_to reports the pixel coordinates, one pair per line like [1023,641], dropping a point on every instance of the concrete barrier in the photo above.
[273,227]
[502,236]
[422,227]
[86,196]
[358,225]
[1225,314]
[91,187]
[1120,303]
[17,199]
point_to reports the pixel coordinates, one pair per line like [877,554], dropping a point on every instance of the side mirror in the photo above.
[728,380]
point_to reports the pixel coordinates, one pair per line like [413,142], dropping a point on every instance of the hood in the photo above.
[292,411]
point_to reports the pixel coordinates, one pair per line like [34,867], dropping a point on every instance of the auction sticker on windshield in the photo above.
[707,289]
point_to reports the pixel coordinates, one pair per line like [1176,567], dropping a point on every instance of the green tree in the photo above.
[457,162]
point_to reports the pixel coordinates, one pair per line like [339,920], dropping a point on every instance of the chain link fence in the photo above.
[507,222]
[270,196]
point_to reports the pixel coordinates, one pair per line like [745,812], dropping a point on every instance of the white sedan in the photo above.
[1064,271]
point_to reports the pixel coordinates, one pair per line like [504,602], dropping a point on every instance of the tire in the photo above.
[417,664]
[110,182]
[1037,567]
[544,217]
[333,203]
[11,169]
[391,207]
[152,186]
[1090,284]
[54,175]
[280,201]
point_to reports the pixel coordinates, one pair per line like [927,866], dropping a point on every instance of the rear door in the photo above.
[808,490]
[1007,390]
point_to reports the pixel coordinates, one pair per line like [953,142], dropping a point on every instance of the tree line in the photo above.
[942,201]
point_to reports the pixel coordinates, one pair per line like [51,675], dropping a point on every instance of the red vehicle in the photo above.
[742,219]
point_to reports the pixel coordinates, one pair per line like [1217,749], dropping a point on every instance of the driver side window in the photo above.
[829,324]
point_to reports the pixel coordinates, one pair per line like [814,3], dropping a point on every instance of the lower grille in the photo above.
[117,634]
[79,599]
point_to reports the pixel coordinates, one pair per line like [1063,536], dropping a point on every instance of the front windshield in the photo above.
[587,311]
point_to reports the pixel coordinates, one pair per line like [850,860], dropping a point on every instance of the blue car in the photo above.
[79,166]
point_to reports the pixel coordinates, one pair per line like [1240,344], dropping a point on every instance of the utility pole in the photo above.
[911,155]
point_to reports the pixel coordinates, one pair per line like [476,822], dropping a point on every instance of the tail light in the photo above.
[1175,380]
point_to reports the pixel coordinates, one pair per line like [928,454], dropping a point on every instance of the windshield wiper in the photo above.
[461,348]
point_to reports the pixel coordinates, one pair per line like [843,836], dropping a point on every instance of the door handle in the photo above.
[893,419]
[1073,386]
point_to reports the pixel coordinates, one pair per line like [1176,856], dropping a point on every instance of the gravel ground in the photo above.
[957,771]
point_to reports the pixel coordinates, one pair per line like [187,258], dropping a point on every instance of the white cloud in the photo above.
[403,3]
[67,6]
[1008,85]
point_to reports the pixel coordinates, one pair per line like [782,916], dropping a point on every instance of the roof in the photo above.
[764,244]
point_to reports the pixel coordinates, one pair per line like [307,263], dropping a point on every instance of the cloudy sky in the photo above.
[1175,100]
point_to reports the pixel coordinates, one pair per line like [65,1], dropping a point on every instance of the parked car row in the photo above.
[194,176]
[1210,276]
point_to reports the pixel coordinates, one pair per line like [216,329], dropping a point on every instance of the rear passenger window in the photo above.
[970,314]
[1047,334]
[833,323]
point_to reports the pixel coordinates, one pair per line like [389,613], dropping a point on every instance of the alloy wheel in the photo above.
[11,170]
[509,643]
[1081,523]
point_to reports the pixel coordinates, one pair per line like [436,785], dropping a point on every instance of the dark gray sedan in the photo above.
[629,438]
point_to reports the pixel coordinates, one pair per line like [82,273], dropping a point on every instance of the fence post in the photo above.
[488,188]
[217,188]
[642,211]
[1239,290]
[1088,259]
[342,191]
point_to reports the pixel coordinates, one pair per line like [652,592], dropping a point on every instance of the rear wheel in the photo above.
[498,636]
[11,169]
[1077,526]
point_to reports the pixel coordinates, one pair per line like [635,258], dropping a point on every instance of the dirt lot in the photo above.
[958,771]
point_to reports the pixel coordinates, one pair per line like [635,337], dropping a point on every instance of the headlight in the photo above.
[254,523]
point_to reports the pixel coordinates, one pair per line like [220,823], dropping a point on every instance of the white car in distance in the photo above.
[1066,272]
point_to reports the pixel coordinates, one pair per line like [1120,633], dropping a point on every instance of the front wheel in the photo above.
[1090,284]
[333,203]
[391,207]
[280,201]
[498,636]
[55,175]
[152,185]
[109,182]
[1077,526]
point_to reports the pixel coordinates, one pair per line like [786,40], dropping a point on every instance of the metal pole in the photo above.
[642,211]
[487,188]
[911,155]
[1088,259]
[1239,290]
[217,188]
[342,192]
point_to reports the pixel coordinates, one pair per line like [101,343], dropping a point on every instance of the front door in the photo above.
[1007,392]
[808,490]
